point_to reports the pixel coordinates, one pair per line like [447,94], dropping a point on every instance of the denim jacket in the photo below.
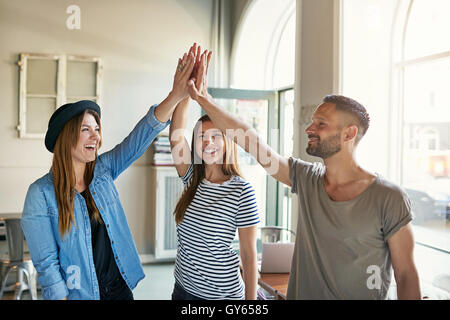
[65,265]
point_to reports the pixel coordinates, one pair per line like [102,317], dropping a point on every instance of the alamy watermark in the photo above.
[74,279]
[248,140]
[74,20]
[374,280]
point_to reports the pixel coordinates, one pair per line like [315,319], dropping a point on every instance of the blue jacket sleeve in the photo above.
[37,227]
[134,145]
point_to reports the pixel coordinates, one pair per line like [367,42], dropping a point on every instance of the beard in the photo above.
[326,148]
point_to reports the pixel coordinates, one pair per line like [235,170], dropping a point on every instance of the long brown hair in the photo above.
[64,179]
[230,166]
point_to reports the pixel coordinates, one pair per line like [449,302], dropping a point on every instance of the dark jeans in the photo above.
[180,294]
[118,290]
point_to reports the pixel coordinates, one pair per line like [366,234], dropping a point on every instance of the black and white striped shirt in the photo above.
[206,265]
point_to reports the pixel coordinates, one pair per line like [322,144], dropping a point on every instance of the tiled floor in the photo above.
[157,284]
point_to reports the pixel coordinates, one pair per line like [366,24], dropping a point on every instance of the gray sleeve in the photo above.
[292,175]
[298,171]
[397,213]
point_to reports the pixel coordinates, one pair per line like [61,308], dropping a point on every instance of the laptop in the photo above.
[277,257]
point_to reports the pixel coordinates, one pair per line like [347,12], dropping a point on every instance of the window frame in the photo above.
[274,205]
[61,83]
[397,121]
[283,190]
[272,118]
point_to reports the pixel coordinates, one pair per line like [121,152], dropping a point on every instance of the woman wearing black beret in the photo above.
[73,221]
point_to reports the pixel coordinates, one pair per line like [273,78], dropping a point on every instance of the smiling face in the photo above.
[324,134]
[210,143]
[88,141]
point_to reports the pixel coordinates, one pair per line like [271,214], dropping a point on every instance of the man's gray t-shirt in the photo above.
[341,249]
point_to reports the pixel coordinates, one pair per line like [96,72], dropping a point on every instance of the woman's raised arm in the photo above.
[179,146]
[181,153]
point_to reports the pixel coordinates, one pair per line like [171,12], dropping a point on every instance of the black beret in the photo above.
[63,114]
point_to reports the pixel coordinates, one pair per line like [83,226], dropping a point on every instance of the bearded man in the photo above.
[353,225]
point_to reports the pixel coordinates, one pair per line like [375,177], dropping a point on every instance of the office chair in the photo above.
[276,234]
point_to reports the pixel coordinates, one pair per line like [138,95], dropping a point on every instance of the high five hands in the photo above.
[191,74]
[193,67]
[197,85]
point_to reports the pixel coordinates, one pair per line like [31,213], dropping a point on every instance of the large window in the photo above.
[425,78]
[259,109]
[264,48]
[263,61]
[396,61]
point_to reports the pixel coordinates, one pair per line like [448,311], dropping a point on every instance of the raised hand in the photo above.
[179,93]
[197,86]
[182,75]
[196,51]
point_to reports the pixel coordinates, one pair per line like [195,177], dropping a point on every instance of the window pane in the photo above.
[426,154]
[39,111]
[428,28]
[255,114]
[81,78]
[287,107]
[284,70]
[41,76]
[251,69]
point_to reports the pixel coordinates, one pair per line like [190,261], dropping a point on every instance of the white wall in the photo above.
[139,42]
[366,74]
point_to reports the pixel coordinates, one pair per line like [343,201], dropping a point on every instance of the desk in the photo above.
[6,216]
[275,283]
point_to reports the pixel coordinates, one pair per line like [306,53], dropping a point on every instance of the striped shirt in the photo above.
[206,265]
